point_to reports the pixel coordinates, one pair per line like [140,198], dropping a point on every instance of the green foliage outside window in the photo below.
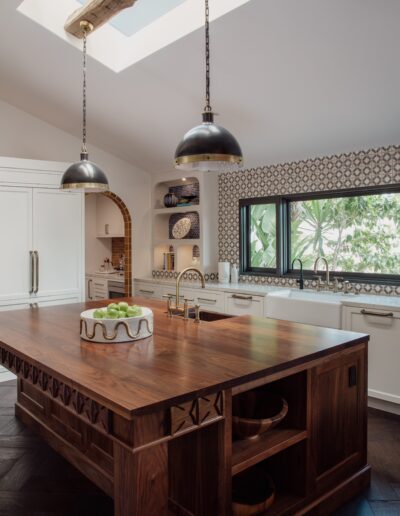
[263,235]
[355,234]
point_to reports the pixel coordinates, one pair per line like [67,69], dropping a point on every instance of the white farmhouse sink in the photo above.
[318,308]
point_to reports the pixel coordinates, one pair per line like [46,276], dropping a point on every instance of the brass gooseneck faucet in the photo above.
[177,308]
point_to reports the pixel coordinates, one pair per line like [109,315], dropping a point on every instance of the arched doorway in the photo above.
[124,247]
[128,239]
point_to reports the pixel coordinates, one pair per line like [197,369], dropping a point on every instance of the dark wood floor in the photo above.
[34,480]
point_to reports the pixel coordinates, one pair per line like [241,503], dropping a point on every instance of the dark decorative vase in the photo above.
[170,200]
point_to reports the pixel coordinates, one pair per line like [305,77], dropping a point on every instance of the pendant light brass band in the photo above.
[228,158]
[85,186]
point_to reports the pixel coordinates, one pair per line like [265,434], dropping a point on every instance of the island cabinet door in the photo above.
[339,417]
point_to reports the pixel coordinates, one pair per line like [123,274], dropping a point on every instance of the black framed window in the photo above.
[260,235]
[357,231]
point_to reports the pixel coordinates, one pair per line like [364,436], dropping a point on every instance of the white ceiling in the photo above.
[290,79]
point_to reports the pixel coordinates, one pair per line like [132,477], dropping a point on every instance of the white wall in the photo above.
[25,136]
[96,249]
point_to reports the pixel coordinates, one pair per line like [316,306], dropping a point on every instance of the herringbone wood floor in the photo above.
[36,481]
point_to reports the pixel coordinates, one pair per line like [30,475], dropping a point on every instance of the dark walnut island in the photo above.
[150,422]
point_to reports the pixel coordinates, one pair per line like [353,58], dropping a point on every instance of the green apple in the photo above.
[123,306]
[98,314]
[134,311]
[112,313]
[112,306]
[121,314]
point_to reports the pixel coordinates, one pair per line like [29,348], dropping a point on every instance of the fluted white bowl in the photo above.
[116,330]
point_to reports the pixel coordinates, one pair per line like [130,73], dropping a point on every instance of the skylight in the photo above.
[131,20]
[136,32]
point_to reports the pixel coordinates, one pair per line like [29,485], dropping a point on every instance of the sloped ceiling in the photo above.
[291,79]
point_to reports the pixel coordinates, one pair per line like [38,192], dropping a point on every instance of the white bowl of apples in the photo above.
[117,322]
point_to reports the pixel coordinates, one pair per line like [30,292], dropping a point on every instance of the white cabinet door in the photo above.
[243,304]
[16,243]
[383,348]
[57,238]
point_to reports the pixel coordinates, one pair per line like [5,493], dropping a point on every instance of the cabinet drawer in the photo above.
[99,294]
[149,290]
[208,299]
[243,304]
[99,284]
[184,293]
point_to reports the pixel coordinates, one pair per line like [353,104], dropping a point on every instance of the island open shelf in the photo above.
[248,453]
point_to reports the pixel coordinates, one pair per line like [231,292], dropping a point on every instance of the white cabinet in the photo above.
[41,230]
[57,239]
[383,326]
[16,239]
[109,219]
[243,304]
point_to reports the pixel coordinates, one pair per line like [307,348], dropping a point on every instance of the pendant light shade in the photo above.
[208,146]
[84,174]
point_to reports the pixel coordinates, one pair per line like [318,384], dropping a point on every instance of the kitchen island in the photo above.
[150,422]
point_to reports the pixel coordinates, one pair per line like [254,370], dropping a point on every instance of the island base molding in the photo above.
[180,459]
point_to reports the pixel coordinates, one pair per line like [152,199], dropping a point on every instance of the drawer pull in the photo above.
[240,296]
[207,300]
[174,295]
[146,291]
[377,314]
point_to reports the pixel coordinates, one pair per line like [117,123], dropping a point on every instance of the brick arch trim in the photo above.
[128,239]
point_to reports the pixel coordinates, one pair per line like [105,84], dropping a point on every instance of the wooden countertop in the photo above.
[180,360]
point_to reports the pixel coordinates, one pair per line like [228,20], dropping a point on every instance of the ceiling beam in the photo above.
[97,12]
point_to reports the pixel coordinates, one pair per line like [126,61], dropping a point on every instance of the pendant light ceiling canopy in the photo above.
[84,174]
[208,146]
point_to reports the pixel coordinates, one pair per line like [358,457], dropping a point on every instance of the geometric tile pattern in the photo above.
[355,169]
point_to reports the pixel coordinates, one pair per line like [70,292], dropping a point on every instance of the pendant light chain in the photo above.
[207,29]
[84,148]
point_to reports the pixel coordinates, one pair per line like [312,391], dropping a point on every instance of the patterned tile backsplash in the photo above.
[356,169]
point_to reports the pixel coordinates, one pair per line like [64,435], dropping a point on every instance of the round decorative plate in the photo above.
[181,228]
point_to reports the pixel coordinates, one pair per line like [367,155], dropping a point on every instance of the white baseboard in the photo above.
[386,406]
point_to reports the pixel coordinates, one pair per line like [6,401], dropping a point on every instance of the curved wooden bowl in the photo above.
[255,412]
[253,492]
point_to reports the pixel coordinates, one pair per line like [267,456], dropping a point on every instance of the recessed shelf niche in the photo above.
[203,212]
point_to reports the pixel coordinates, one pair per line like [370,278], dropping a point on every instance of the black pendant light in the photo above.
[208,146]
[84,174]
